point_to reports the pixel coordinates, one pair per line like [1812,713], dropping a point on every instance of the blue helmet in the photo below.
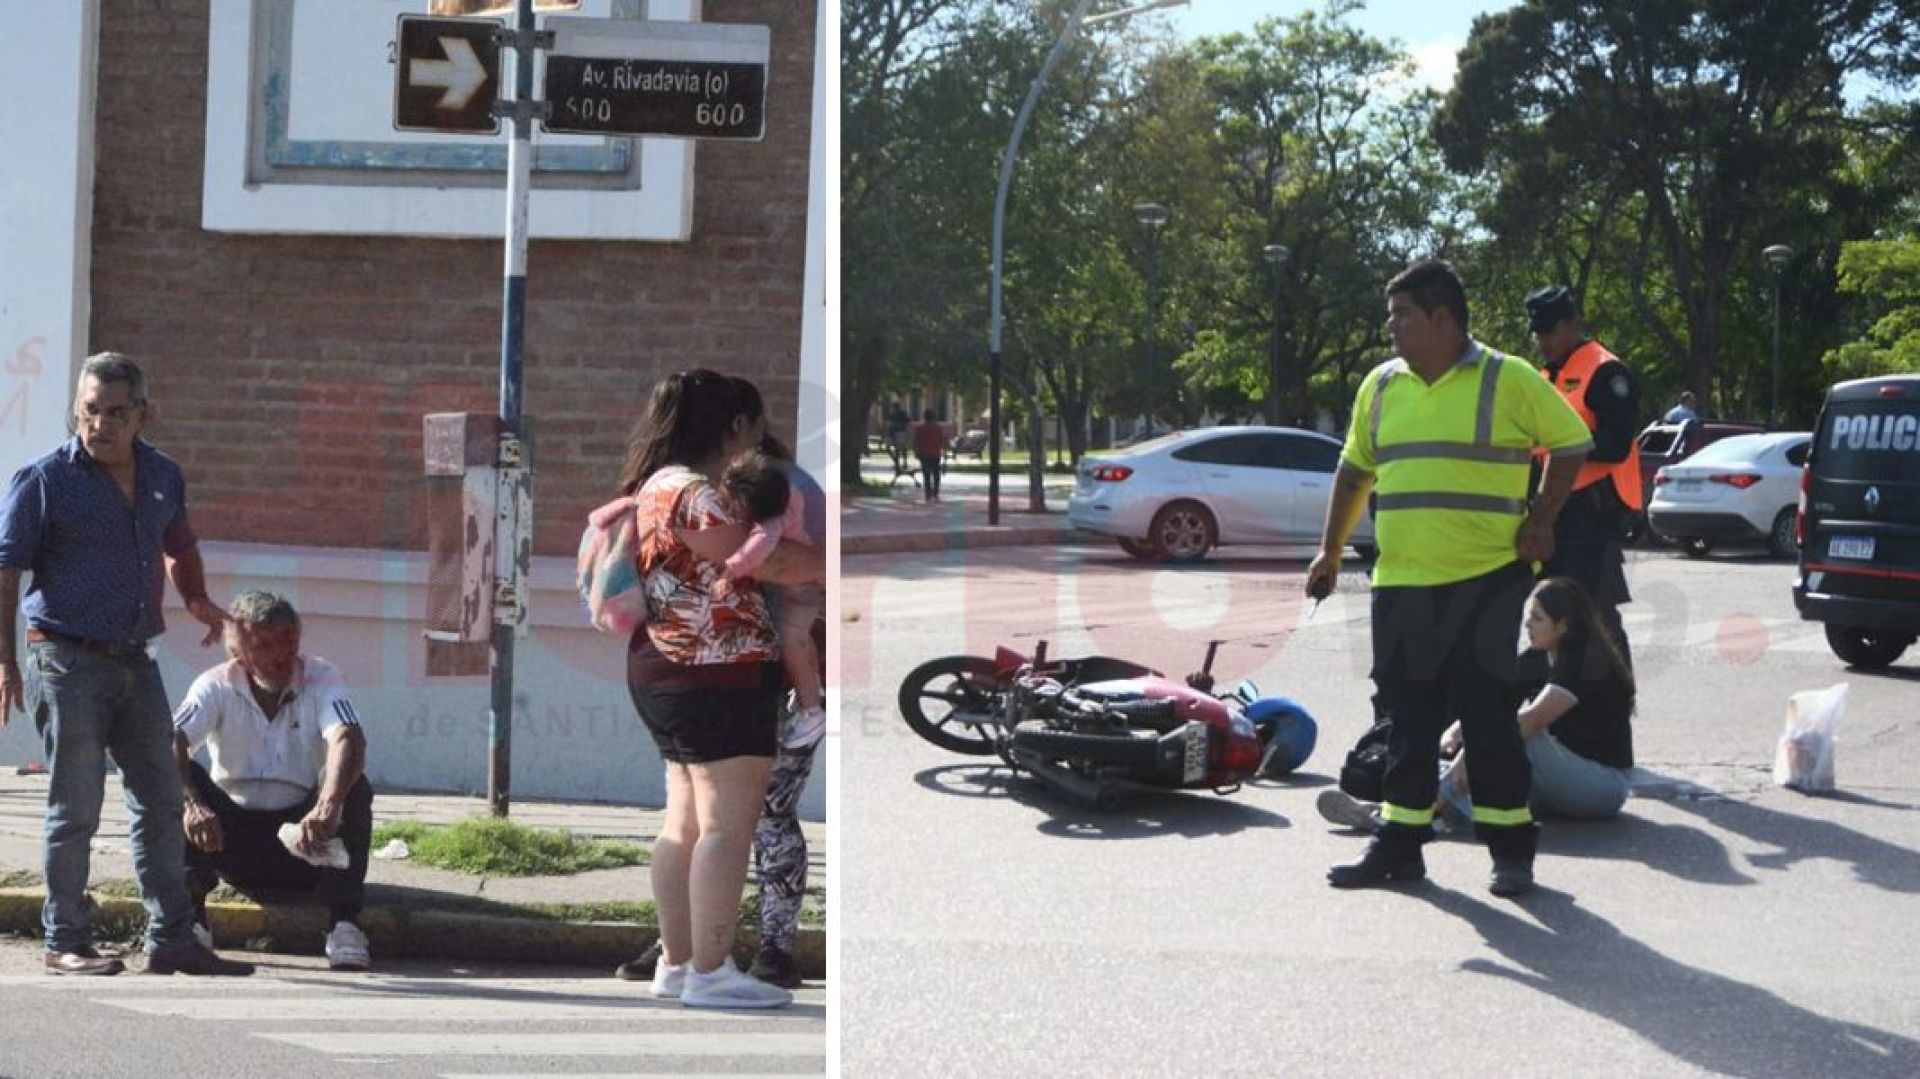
[1287,731]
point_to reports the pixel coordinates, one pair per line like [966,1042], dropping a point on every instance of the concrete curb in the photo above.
[419,933]
[964,539]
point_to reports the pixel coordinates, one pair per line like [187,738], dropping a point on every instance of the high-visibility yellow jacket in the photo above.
[1450,461]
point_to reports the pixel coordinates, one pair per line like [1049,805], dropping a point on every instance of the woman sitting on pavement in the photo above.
[1578,730]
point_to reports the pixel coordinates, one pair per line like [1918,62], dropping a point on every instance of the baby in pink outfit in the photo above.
[761,490]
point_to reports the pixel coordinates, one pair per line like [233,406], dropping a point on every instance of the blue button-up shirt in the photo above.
[95,558]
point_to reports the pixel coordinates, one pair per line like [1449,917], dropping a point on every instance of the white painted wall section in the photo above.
[46,218]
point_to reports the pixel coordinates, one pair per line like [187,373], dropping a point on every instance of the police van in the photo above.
[1859,522]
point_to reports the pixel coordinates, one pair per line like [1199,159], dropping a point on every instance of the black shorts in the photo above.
[696,723]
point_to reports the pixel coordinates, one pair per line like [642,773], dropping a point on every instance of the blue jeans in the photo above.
[85,704]
[1565,784]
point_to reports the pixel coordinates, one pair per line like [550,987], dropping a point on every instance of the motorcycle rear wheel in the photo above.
[967,686]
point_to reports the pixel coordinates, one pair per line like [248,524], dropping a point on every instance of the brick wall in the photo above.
[290,372]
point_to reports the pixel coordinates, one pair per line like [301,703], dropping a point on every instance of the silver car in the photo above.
[1181,495]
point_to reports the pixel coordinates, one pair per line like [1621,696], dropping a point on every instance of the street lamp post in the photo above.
[1276,256]
[1154,216]
[1776,256]
[1075,20]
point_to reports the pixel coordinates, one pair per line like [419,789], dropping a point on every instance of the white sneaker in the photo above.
[806,727]
[726,987]
[1338,807]
[347,947]
[669,978]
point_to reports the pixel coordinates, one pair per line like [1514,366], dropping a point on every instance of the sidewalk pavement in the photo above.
[902,520]
[412,910]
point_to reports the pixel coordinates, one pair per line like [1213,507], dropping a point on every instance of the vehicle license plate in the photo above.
[1687,485]
[1850,547]
[1195,768]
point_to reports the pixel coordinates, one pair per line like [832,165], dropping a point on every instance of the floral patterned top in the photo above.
[687,621]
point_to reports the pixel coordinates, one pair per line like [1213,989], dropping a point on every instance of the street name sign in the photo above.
[678,79]
[447,76]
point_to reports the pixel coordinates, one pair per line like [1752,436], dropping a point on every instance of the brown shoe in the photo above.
[193,959]
[85,962]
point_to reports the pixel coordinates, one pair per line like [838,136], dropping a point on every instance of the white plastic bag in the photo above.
[1804,760]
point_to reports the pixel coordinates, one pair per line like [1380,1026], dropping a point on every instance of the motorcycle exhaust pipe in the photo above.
[1091,791]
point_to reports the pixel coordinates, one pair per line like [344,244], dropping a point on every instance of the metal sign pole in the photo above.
[511,558]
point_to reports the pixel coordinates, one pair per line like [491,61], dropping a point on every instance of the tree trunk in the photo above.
[862,378]
[1036,456]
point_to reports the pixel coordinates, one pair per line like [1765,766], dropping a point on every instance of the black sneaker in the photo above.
[193,959]
[1389,860]
[776,967]
[639,968]
[1510,880]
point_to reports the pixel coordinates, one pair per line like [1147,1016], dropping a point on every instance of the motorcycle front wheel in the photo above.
[942,700]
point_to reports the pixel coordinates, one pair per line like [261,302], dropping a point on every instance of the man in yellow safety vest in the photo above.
[1444,435]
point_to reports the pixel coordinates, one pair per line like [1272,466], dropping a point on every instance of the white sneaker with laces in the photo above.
[347,947]
[669,979]
[726,986]
[806,727]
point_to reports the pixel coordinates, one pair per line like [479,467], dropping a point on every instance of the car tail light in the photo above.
[1111,473]
[1660,477]
[1800,515]
[1742,480]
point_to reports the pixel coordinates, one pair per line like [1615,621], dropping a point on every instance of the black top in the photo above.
[1600,726]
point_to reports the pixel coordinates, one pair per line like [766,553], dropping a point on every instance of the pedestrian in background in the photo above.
[703,674]
[929,443]
[1683,411]
[1589,533]
[1444,435]
[101,523]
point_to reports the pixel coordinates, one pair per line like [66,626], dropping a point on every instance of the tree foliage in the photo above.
[1661,145]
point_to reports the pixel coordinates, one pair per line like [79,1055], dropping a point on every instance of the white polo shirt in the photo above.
[264,764]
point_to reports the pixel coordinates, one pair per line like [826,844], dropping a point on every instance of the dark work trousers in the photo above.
[1446,652]
[930,474]
[781,849]
[1587,548]
[253,856]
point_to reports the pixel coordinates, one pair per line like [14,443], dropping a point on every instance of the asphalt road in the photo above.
[409,1019]
[1721,926]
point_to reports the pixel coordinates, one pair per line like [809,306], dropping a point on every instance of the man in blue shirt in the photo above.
[99,523]
[1683,411]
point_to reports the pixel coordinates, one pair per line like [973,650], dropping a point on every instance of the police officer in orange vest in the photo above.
[1587,534]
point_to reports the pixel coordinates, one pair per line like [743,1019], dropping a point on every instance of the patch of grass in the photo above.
[18,878]
[492,847]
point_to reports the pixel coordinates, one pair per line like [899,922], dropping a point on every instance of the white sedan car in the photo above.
[1181,495]
[1744,489]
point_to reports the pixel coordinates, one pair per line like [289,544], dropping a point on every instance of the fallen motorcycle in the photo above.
[1098,728]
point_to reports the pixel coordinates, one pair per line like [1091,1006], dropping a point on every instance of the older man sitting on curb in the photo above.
[286,748]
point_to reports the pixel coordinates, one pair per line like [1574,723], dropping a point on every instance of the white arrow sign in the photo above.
[460,74]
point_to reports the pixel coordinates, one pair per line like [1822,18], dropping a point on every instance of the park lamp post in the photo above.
[1075,20]
[1776,256]
[1154,216]
[1276,256]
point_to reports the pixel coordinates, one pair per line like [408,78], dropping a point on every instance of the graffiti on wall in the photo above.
[16,395]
